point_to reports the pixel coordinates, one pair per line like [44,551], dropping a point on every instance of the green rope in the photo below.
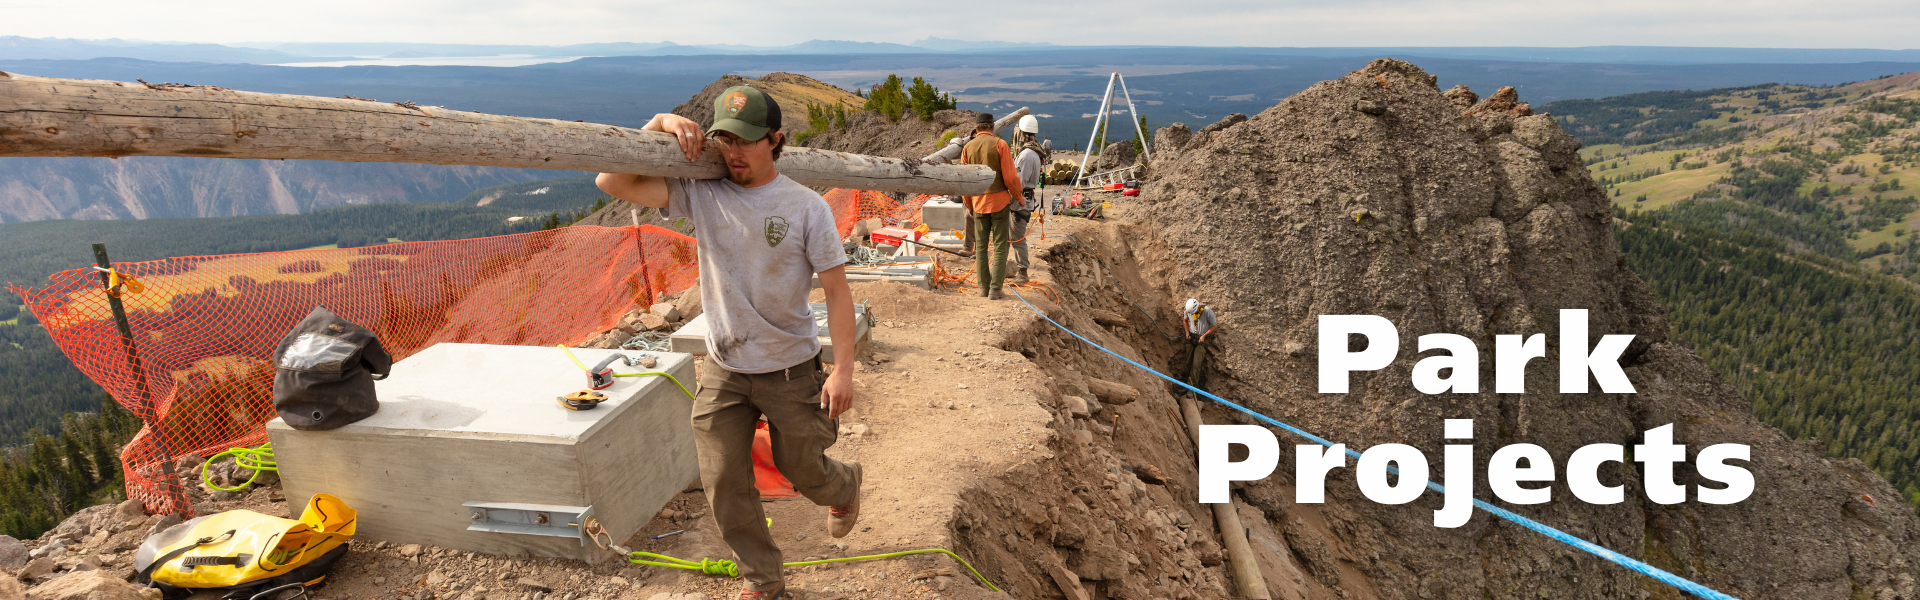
[669,376]
[259,459]
[706,565]
[729,569]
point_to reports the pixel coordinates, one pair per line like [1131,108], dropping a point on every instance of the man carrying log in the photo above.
[762,238]
[992,212]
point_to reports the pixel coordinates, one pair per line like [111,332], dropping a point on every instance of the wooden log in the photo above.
[1112,392]
[952,151]
[1108,318]
[43,116]
[1247,579]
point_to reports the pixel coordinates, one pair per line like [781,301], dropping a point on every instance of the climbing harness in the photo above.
[1541,528]
[259,459]
[710,566]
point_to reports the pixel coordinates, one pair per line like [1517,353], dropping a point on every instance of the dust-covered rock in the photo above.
[665,310]
[36,568]
[12,553]
[91,585]
[1117,155]
[130,511]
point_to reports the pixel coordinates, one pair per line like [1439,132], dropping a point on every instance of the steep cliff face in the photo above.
[145,187]
[1379,194]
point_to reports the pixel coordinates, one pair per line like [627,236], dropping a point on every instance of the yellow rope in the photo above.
[669,376]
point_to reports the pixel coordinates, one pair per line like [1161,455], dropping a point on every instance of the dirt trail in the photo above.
[970,443]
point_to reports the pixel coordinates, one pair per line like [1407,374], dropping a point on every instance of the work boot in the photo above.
[840,519]
[997,295]
[983,292]
[779,594]
[1019,277]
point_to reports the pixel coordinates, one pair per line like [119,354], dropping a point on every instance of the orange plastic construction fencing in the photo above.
[204,327]
[850,206]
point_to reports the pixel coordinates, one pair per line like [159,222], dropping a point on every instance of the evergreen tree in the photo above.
[889,98]
[924,99]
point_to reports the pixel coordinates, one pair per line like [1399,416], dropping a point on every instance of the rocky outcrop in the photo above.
[1168,142]
[92,585]
[1379,194]
[1116,155]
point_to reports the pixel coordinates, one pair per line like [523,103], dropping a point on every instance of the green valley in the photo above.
[1781,226]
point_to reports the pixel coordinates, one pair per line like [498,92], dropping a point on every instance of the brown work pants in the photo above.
[724,415]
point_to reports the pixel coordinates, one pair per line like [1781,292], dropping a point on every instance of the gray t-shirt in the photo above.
[1028,164]
[759,248]
[1200,323]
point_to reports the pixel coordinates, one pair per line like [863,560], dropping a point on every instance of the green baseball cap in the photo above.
[745,112]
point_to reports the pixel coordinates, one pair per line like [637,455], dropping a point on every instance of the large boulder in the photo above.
[1117,155]
[1168,142]
[1378,194]
[91,585]
[12,553]
[82,523]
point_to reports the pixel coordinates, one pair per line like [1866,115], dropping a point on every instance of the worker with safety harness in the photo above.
[1029,163]
[762,239]
[1201,324]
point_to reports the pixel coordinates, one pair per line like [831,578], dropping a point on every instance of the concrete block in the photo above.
[479,423]
[914,271]
[944,215]
[692,337]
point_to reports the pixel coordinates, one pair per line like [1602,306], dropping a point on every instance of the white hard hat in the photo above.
[1029,124]
[1193,306]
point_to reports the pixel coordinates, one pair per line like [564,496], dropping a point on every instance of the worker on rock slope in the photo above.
[1030,162]
[992,212]
[762,238]
[1201,324]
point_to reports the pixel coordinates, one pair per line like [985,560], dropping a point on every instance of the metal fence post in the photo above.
[148,412]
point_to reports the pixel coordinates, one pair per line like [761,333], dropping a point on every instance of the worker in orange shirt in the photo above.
[992,212]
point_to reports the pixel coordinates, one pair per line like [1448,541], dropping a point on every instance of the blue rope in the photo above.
[1590,547]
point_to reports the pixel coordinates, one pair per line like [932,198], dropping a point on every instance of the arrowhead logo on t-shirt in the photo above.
[776,230]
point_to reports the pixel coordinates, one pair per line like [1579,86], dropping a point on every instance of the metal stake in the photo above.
[148,412]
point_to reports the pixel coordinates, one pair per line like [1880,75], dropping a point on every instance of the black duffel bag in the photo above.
[326,369]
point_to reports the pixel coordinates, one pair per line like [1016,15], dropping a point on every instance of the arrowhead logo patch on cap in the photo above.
[735,102]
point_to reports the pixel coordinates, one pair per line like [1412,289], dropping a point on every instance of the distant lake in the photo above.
[501,60]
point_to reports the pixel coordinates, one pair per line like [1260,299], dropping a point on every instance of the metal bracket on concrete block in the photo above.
[529,519]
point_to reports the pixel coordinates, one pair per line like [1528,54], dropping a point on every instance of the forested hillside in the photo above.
[47,477]
[1775,223]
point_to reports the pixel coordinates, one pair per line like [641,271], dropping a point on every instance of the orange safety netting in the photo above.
[850,206]
[204,327]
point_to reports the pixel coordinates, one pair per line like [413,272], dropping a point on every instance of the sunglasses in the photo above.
[732,142]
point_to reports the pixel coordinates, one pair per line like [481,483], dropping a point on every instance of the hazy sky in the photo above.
[1754,23]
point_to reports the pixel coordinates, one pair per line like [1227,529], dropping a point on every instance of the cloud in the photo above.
[1750,23]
